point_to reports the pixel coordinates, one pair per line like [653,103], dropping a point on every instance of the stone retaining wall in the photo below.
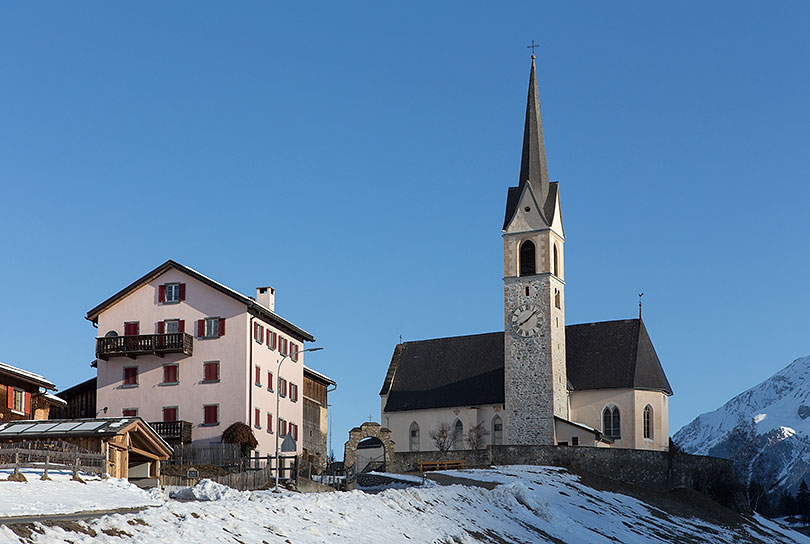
[662,471]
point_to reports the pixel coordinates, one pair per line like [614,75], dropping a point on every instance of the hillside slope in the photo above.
[532,504]
[766,430]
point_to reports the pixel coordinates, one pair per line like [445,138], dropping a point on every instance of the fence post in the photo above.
[17,476]
[76,470]
[45,474]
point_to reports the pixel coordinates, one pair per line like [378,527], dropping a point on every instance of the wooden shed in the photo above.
[133,448]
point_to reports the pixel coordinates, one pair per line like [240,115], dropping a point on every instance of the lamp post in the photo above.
[278,400]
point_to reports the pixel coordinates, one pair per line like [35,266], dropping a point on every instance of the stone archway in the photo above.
[367,430]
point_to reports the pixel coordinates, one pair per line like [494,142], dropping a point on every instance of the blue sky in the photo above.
[356,156]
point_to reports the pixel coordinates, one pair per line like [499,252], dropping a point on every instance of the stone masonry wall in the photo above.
[662,471]
[528,369]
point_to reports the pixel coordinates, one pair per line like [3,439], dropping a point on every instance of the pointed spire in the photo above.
[533,167]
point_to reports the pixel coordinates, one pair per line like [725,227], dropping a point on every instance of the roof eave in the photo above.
[252,305]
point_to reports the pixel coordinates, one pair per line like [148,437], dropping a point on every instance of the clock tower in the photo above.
[535,379]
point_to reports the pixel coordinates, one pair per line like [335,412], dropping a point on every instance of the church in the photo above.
[539,381]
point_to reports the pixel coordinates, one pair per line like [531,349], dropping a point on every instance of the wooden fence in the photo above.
[245,480]
[50,456]
[220,455]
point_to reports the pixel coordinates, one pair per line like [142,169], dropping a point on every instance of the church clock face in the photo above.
[526,320]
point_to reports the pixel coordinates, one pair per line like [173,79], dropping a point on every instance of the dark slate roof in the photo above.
[468,370]
[613,354]
[252,306]
[457,371]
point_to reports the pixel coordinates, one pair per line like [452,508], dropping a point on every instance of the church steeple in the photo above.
[533,166]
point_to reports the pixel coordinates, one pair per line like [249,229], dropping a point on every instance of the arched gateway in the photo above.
[366,430]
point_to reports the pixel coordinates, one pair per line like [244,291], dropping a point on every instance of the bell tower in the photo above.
[535,378]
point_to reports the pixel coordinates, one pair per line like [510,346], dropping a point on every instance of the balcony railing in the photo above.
[144,344]
[173,431]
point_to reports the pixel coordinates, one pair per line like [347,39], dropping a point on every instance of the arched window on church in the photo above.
[527,259]
[611,423]
[497,430]
[414,437]
[458,436]
[556,262]
[648,422]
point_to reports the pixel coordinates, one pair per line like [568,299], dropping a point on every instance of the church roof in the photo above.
[469,370]
[613,354]
[456,371]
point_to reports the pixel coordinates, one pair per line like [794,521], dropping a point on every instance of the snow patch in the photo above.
[205,490]
[760,417]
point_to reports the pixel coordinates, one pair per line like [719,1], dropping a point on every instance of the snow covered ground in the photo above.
[60,495]
[532,504]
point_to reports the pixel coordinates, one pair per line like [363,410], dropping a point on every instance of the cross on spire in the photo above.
[533,46]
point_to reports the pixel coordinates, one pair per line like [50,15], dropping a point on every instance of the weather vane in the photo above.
[639,304]
[533,46]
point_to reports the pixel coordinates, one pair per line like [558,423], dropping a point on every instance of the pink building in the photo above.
[181,349]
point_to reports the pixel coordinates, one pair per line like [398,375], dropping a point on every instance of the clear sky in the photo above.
[356,156]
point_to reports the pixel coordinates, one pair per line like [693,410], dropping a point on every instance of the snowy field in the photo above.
[532,504]
[60,495]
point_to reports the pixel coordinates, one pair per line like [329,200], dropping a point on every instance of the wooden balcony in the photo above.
[144,344]
[173,432]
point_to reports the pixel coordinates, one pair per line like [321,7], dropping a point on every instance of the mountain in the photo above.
[765,430]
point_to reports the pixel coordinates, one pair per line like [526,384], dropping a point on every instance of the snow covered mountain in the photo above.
[765,430]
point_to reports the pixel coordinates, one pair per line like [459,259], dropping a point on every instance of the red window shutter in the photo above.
[258,376]
[201,327]
[161,327]
[269,423]
[275,340]
[270,381]
[269,335]
[10,402]
[181,325]
[162,293]
[257,414]
[222,326]
[295,433]
[182,291]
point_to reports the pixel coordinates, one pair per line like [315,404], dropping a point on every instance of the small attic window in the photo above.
[527,209]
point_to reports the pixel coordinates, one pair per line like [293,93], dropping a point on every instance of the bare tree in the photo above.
[442,436]
[476,436]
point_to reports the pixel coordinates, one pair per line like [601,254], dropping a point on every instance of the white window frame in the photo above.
[171,323]
[19,400]
[173,292]
[212,327]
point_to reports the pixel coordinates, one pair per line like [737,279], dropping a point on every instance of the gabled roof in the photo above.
[252,305]
[26,376]
[456,371]
[469,370]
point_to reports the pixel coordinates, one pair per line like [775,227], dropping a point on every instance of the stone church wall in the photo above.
[662,471]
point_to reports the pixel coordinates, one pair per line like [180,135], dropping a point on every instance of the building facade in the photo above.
[25,395]
[316,416]
[178,347]
[540,381]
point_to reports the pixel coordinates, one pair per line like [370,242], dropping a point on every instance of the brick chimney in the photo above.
[266,296]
